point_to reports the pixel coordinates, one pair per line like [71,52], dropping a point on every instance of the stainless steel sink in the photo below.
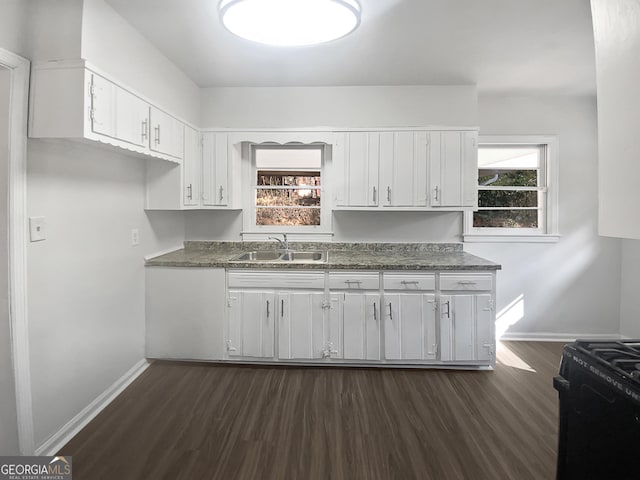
[319,256]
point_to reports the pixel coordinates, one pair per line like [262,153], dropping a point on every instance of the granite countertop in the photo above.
[353,256]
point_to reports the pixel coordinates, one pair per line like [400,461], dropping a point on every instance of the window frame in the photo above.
[548,198]
[260,231]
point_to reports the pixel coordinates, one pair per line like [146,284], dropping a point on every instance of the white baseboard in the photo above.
[557,337]
[77,423]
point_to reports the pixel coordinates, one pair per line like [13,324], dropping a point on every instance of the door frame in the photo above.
[17,233]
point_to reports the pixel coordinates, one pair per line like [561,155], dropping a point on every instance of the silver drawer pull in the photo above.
[375,312]
[409,282]
[466,282]
[349,282]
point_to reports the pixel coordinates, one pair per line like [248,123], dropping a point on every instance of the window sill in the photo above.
[525,238]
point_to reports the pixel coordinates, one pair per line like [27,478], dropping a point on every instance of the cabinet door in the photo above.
[215,161]
[251,318]
[359,316]
[191,167]
[301,331]
[453,169]
[167,133]
[359,171]
[132,118]
[403,160]
[410,326]
[102,113]
[465,327]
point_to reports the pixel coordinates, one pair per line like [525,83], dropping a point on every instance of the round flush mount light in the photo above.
[290,23]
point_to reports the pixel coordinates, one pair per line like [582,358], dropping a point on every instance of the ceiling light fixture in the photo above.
[290,23]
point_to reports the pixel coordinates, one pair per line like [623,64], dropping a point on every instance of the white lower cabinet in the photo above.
[354,326]
[301,325]
[410,326]
[251,317]
[466,332]
[395,317]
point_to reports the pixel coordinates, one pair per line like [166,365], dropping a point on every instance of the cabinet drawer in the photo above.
[354,281]
[275,280]
[466,281]
[413,281]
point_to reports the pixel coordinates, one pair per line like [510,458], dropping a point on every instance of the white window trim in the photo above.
[253,232]
[550,169]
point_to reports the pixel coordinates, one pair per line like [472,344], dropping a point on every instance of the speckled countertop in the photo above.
[356,256]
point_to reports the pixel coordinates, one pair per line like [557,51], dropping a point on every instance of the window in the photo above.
[517,190]
[287,186]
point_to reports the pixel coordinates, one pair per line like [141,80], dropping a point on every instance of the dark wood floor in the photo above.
[200,421]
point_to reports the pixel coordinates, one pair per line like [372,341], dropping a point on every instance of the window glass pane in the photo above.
[506,219]
[507,178]
[288,197]
[276,178]
[287,216]
[500,165]
[507,198]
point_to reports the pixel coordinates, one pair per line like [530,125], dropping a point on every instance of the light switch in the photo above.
[135,237]
[37,229]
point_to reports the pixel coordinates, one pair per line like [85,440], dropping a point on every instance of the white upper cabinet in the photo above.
[102,106]
[215,169]
[131,118]
[167,133]
[357,173]
[453,168]
[403,169]
[69,100]
[191,165]
[406,170]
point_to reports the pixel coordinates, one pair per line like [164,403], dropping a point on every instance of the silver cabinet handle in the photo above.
[375,194]
[375,312]
[157,130]
[389,194]
[409,282]
[267,308]
[190,192]
[448,312]
[145,129]
[466,282]
[390,312]
[282,308]
[221,190]
[436,193]
[349,282]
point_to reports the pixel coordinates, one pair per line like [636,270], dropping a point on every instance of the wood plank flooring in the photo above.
[205,421]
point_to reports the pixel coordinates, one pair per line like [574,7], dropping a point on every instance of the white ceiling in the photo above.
[499,45]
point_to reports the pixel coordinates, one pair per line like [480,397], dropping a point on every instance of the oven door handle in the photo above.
[561,384]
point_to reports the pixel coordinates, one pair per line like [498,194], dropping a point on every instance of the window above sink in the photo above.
[287,189]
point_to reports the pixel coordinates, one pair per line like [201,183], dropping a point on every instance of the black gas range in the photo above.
[599,390]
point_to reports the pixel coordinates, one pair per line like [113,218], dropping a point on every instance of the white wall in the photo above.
[572,286]
[630,287]
[617,42]
[372,106]
[8,415]
[54,28]
[113,45]
[13,17]
[86,280]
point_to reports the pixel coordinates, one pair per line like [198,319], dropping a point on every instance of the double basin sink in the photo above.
[275,256]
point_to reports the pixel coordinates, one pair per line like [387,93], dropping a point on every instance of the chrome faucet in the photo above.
[284,244]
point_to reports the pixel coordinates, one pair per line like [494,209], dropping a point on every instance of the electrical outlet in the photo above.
[37,229]
[135,237]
